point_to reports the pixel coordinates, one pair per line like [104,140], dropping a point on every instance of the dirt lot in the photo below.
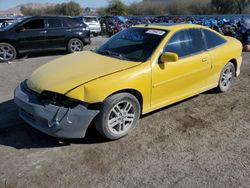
[201,142]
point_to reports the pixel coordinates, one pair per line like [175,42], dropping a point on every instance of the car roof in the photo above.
[90,16]
[50,17]
[170,26]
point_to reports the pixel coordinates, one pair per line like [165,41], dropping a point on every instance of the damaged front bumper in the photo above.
[53,120]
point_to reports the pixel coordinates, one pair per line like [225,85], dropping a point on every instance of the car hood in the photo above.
[70,71]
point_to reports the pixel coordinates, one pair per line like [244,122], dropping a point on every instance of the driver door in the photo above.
[32,35]
[175,81]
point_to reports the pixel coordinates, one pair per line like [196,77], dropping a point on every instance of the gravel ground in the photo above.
[200,142]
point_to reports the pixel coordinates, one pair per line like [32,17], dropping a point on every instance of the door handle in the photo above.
[43,32]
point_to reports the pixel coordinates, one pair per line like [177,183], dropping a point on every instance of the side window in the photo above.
[65,23]
[212,39]
[34,24]
[73,22]
[198,44]
[54,23]
[186,42]
[179,43]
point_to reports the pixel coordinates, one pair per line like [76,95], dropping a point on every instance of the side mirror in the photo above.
[169,57]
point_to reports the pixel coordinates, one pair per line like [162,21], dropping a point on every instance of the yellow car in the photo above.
[137,71]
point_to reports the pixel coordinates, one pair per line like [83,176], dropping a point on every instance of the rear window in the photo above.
[90,19]
[212,39]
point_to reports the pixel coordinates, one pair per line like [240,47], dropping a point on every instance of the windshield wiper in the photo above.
[117,55]
[106,52]
[113,54]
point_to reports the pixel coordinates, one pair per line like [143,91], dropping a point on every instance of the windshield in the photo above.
[133,44]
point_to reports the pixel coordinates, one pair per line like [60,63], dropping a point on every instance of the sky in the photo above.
[6,4]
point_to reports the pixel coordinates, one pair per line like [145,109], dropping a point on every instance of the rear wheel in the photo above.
[75,45]
[118,116]
[226,77]
[7,52]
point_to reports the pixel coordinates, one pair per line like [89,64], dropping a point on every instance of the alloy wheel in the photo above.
[6,53]
[227,77]
[121,117]
[76,46]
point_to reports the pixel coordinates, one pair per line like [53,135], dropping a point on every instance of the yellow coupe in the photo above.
[137,71]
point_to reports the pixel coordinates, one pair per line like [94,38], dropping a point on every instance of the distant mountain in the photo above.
[16,10]
[159,1]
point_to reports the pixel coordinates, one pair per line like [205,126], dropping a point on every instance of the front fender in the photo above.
[96,91]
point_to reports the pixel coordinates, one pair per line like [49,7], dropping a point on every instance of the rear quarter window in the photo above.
[212,39]
[72,22]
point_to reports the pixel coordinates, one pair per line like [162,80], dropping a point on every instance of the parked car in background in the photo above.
[137,20]
[107,25]
[137,71]
[111,25]
[94,24]
[5,22]
[41,33]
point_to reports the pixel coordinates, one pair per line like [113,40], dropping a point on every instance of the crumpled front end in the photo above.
[55,119]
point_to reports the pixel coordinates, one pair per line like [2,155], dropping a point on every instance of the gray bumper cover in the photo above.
[53,120]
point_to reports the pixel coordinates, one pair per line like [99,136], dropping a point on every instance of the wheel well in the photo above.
[133,92]
[74,38]
[234,61]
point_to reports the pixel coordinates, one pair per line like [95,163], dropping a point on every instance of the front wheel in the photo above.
[75,45]
[118,116]
[7,52]
[226,77]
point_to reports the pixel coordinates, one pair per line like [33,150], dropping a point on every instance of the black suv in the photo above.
[43,33]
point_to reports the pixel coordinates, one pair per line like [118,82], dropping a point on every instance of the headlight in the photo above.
[48,97]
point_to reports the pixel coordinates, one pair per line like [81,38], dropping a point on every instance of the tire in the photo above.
[75,45]
[7,52]
[226,78]
[114,122]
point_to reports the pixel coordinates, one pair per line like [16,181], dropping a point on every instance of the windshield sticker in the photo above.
[156,32]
